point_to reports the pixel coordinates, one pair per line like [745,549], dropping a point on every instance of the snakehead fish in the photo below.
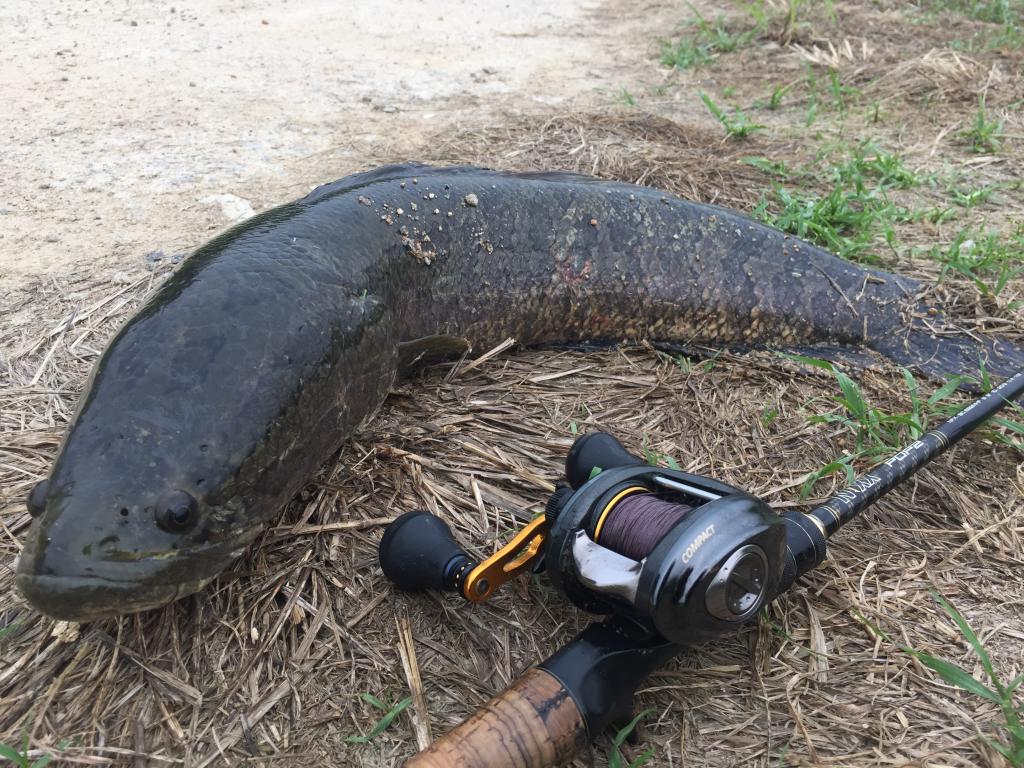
[249,367]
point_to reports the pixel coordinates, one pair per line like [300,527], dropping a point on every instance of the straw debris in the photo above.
[266,665]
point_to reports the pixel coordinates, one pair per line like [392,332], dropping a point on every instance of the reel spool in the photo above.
[686,556]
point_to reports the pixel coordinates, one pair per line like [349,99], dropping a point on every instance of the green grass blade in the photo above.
[945,390]
[642,758]
[615,757]
[1015,683]
[845,464]
[374,701]
[712,107]
[1001,748]
[10,628]
[954,674]
[10,753]
[812,361]
[1013,426]
[383,723]
[853,398]
[971,637]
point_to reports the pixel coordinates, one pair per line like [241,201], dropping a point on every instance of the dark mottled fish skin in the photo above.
[254,362]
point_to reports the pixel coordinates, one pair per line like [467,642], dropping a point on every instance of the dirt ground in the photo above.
[127,124]
[133,132]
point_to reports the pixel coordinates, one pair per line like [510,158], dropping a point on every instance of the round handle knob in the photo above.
[418,552]
[597,450]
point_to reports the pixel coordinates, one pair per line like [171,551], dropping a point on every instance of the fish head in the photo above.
[127,522]
[204,415]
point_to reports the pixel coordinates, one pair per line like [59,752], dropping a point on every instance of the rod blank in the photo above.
[854,499]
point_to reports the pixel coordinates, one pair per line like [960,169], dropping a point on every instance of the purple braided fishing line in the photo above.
[637,523]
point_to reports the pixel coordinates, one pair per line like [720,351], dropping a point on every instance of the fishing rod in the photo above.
[671,558]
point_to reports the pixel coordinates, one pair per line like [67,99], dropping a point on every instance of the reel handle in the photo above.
[419,552]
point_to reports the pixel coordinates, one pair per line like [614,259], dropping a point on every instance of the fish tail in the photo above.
[943,355]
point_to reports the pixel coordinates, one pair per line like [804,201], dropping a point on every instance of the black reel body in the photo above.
[684,556]
[719,561]
[674,558]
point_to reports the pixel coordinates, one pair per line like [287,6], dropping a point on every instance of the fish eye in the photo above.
[177,513]
[36,501]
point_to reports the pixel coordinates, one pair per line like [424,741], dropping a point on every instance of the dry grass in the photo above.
[641,147]
[266,665]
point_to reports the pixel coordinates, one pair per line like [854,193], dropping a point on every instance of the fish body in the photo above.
[250,366]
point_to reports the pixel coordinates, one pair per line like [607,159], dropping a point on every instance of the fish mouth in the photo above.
[87,598]
[71,589]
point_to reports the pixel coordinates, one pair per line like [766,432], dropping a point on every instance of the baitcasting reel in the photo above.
[686,556]
[675,558]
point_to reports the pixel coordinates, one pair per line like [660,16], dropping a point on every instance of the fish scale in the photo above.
[250,366]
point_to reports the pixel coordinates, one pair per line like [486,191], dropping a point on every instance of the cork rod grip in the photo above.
[534,723]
